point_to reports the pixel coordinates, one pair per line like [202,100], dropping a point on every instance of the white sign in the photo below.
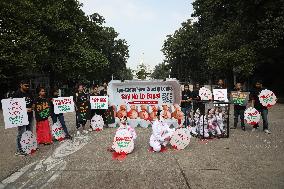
[252,116]
[99,102]
[58,132]
[28,142]
[220,95]
[180,138]
[267,98]
[123,142]
[154,92]
[63,105]
[205,94]
[14,112]
[97,123]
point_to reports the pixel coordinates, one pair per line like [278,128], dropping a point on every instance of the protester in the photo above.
[161,133]
[59,117]
[82,106]
[23,92]
[103,92]
[186,103]
[220,84]
[42,112]
[239,110]
[259,107]
[95,92]
[196,99]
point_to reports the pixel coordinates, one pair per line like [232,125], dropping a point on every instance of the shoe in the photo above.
[254,129]
[243,128]
[85,132]
[90,130]
[20,154]
[78,133]
[267,131]
[68,137]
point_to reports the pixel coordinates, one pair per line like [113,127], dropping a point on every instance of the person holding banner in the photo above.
[59,117]
[82,106]
[23,92]
[186,104]
[42,112]
[239,110]
[259,107]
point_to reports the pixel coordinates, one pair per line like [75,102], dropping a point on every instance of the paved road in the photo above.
[245,160]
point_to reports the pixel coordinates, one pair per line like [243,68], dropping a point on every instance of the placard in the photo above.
[99,102]
[239,98]
[267,98]
[180,138]
[252,116]
[63,105]
[205,94]
[14,112]
[220,95]
[28,142]
[58,132]
[123,142]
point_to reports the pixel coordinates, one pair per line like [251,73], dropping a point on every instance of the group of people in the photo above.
[192,101]
[42,107]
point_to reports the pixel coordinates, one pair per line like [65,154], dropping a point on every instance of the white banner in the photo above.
[220,95]
[156,92]
[15,112]
[63,105]
[99,102]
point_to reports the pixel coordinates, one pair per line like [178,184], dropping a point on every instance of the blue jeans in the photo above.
[186,112]
[22,129]
[264,114]
[60,117]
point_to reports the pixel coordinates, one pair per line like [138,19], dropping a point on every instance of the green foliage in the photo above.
[229,36]
[55,37]
[161,71]
[142,72]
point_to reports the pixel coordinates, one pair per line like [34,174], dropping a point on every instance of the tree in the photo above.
[142,72]
[161,71]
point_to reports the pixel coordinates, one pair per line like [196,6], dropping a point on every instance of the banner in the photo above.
[252,116]
[63,105]
[239,98]
[180,139]
[156,92]
[14,112]
[99,102]
[205,94]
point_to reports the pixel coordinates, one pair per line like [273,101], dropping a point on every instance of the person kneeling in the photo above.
[161,134]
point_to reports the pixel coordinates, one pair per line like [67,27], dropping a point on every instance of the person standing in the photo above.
[220,84]
[59,117]
[42,112]
[82,106]
[259,107]
[23,92]
[186,103]
[94,92]
[239,110]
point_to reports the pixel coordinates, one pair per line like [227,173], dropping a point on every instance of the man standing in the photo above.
[239,110]
[23,92]
[186,103]
[259,107]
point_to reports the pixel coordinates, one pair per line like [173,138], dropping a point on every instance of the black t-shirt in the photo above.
[28,98]
[185,95]
[42,109]
[103,92]
[82,101]
[254,96]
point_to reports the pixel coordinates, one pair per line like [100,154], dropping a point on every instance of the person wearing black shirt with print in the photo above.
[239,110]
[24,92]
[259,107]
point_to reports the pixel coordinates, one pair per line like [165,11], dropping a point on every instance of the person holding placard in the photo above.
[23,92]
[186,103]
[59,117]
[82,105]
[42,112]
[239,110]
[161,133]
[259,107]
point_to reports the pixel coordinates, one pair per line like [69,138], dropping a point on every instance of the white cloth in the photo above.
[160,131]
